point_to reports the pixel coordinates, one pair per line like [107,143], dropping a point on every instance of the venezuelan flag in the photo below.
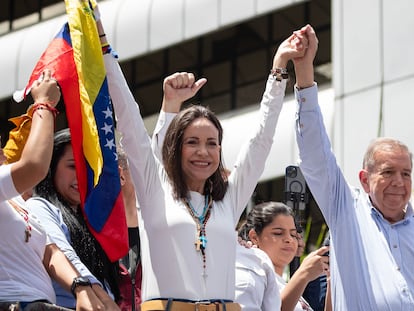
[76,60]
[95,140]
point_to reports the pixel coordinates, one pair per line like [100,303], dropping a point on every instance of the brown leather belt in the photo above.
[161,305]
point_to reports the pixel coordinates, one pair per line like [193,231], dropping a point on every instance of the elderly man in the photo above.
[372,228]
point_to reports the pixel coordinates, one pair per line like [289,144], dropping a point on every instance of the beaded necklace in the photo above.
[201,221]
[25,215]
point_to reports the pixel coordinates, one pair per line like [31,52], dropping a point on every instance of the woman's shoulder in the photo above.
[254,259]
[38,200]
[36,203]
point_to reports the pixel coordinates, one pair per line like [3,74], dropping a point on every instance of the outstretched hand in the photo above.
[179,87]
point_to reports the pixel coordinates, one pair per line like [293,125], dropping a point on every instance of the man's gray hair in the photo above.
[385,144]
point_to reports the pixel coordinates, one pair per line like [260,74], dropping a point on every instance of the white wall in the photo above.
[284,152]
[372,60]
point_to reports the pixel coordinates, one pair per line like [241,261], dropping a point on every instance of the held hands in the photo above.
[301,48]
[304,65]
[46,90]
[293,47]
[310,53]
[179,87]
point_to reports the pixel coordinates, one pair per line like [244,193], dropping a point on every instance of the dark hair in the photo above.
[172,148]
[83,242]
[383,144]
[262,215]
[46,188]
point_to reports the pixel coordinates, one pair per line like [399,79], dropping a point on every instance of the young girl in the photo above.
[56,202]
[271,227]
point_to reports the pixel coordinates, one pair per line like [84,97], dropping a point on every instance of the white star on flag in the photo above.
[107,112]
[110,144]
[107,128]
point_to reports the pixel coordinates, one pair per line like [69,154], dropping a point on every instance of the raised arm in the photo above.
[317,161]
[143,165]
[252,157]
[304,65]
[177,88]
[293,48]
[33,164]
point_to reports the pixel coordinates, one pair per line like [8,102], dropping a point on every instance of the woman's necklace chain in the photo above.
[25,215]
[201,221]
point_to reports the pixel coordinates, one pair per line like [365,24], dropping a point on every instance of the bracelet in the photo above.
[106,48]
[102,35]
[280,73]
[44,106]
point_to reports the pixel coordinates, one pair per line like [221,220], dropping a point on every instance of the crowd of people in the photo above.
[183,205]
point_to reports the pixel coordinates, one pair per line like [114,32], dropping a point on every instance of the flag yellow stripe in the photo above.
[90,67]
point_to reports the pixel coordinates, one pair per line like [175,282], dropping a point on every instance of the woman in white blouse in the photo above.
[270,226]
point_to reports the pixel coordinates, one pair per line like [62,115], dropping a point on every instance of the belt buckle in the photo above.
[204,305]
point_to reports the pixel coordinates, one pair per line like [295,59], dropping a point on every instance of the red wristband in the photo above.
[44,106]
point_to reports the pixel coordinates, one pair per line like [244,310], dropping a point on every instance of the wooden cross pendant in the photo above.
[198,244]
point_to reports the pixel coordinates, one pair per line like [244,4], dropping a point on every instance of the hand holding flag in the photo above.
[75,58]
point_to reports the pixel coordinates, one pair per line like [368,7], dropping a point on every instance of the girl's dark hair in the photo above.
[83,242]
[261,216]
[216,184]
